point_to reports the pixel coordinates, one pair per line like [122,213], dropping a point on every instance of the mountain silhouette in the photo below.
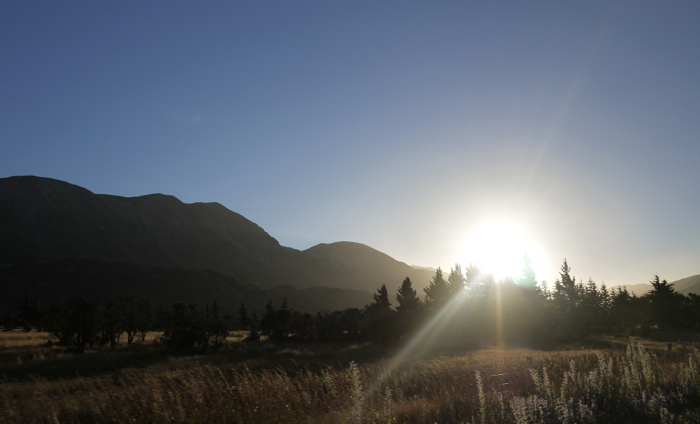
[685,286]
[44,220]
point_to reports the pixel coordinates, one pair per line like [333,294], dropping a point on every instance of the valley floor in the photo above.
[620,380]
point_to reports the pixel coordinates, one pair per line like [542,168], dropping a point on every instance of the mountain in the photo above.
[352,262]
[684,285]
[43,219]
[99,279]
[638,289]
[688,285]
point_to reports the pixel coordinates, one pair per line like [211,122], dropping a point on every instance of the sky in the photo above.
[407,126]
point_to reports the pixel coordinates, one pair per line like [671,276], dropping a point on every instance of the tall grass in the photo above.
[485,386]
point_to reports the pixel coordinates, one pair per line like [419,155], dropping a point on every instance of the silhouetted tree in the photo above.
[217,328]
[381,300]
[379,321]
[455,281]
[566,299]
[30,310]
[276,324]
[437,293]
[665,303]
[181,326]
[75,322]
[473,278]
[134,316]
[527,276]
[693,311]
[408,301]
[254,326]
[622,309]
[337,326]
[110,325]
[243,317]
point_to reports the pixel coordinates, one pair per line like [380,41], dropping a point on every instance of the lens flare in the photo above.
[499,248]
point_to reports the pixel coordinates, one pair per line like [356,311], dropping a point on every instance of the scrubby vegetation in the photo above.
[472,350]
[295,382]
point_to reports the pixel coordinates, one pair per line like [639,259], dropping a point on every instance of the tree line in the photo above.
[467,304]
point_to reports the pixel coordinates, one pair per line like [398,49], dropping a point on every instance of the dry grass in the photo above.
[265,383]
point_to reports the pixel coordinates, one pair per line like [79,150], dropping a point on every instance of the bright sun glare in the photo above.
[499,248]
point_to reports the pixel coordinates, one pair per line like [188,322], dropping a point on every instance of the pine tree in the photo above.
[243,317]
[473,276]
[665,303]
[381,300]
[455,281]
[378,323]
[407,298]
[436,294]
[566,292]
[527,275]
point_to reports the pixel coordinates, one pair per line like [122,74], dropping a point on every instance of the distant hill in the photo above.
[55,279]
[425,268]
[43,219]
[688,285]
[352,262]
[638,289]
[684,285]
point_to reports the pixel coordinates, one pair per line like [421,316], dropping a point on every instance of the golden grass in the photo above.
[267,383]
[18,338]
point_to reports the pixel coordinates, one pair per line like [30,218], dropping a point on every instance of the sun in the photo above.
[499,248]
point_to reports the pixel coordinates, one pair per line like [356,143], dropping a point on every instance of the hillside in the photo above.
[637,289]
[684,285]
[688,285]
[55,279]
[45,219]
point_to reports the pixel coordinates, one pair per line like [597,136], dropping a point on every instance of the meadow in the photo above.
[619,380]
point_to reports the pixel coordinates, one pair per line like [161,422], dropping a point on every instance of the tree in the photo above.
[622,308]
[408,301]
[134,316]
[665,303]
[30,309]
[455,281]
[217,328]
[180,326]
[379,320]
[75,322]
[276,323]
[381,300]
[473,277]
[340,325]
[566,295]
[436,294]
[527,275]
[254,325]
[565,302]
[243,317]
[111,328]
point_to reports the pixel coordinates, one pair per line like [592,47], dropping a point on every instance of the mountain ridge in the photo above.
[48,219]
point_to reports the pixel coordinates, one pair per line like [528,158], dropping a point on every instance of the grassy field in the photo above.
[263,382]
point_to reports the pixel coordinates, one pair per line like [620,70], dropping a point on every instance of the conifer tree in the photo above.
[407,298]
[381,300]
[379,319]
[243,317]
[436,293]
[472,276]
[664,303]
[527,275]
[455,281]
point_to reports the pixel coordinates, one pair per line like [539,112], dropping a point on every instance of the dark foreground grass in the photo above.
[287,383]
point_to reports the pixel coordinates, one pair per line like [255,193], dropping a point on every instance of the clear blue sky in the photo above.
[401,125]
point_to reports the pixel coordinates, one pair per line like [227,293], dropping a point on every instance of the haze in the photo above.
[405,126]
